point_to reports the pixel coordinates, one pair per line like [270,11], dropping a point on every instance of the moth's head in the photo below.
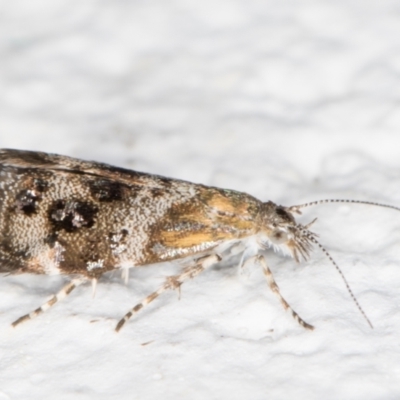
[280,230]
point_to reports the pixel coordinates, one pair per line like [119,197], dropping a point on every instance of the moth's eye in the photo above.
[279,236]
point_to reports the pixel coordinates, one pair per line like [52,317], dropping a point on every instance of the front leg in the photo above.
[275,288]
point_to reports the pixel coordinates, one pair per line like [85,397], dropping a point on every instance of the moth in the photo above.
[61,215]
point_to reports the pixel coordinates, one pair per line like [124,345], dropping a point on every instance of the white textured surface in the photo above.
[289,101]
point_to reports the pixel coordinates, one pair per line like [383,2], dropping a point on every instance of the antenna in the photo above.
[297,208]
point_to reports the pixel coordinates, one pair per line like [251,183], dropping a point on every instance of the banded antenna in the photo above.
[297,208]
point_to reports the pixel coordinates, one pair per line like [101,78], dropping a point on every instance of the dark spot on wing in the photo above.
[71,215]
[26,202]
[106,190]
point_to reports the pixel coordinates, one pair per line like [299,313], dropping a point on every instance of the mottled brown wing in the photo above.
[63,215]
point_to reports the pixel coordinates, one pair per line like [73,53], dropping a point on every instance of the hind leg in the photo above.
[64,292]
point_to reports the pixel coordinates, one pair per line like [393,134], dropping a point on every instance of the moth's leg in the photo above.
[125,275]
[172,282]
[64,292]
[275,288]
[94,287]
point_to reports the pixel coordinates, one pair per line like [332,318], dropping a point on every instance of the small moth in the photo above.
[61,215]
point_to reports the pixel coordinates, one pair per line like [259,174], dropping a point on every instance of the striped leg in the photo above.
[275,288]
[172,282]
[64,292]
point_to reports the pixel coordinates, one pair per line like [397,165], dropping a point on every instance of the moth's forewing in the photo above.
[63,215]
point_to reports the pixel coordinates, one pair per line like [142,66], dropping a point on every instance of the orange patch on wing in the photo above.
[192,239]
[228,205]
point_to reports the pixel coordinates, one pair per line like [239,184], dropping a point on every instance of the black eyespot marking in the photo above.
[26,202]
[72,215]
[107,191]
